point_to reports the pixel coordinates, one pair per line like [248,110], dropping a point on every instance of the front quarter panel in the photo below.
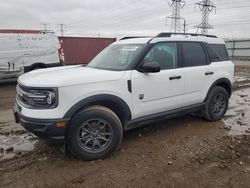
[71,95]
[77,94]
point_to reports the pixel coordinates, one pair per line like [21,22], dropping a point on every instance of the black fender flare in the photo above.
[32,66]
[221,82]
[95,99]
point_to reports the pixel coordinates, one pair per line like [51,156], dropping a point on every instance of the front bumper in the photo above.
[43,128]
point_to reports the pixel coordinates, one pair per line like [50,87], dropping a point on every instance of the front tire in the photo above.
[94,133]
[216,104]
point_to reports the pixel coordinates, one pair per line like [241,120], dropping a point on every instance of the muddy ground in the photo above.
[182,152]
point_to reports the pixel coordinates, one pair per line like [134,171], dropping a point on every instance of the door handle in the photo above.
[209,73]
[174,77]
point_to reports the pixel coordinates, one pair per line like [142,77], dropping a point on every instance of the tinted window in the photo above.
[212,54]
[220,50]
[163,53]
[193,54]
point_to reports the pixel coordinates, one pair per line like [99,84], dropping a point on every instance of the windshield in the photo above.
[116,56]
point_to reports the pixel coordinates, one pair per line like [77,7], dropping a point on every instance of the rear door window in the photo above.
[193,54]
[220,50]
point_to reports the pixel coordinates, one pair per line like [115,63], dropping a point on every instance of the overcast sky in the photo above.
[114,18]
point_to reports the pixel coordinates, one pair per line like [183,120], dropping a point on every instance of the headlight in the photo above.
[37,97]
[41,98]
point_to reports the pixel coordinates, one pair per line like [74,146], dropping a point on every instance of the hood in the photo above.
[68,76]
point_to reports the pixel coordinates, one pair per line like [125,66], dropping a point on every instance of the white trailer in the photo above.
[21,53]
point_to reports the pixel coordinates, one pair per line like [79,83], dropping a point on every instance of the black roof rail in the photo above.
[133,37]
[191,34]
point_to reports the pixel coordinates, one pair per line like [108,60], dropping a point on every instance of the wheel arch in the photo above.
[223,82]
[116,104]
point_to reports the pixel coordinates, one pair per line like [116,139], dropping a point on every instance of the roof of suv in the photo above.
[173,37]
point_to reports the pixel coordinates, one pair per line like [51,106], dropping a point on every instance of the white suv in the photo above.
[130,83]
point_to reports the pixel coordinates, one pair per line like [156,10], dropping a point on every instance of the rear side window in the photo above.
[214,57]
[193,54]
[220,50]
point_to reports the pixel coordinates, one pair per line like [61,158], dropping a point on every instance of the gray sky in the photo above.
[118,18]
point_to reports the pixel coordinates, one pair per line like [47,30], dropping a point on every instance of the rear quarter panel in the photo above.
[223,69]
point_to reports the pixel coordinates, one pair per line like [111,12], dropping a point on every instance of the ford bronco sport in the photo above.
[132,82]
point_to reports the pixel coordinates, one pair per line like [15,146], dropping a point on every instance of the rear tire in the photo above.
[216,104]
[94,133]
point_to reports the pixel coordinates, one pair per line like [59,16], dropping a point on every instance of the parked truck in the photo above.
[24,52]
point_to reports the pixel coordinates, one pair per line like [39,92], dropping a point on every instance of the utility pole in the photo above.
[185,26]
[176,17]
[206,6]
[61,29]
[45,28]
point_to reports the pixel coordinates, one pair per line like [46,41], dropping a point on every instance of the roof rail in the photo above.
[191,34]
[133,37]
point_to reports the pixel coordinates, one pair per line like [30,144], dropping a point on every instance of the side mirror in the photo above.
[150,67]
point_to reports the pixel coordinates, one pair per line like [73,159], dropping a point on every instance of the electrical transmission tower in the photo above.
[176,17]
[206,6]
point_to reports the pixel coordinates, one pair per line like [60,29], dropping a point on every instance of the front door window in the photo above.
[163,53]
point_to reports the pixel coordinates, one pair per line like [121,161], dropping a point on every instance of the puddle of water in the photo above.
[238,114]
[14,144]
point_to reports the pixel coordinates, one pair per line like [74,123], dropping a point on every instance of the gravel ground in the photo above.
[182,152]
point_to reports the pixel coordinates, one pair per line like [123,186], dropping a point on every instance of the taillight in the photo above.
[61,56]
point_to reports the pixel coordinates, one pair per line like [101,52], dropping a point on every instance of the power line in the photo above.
[113,17]
[128,17]
[111,21]
[118,21]
[125,22]
[128,21]
[125,10]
